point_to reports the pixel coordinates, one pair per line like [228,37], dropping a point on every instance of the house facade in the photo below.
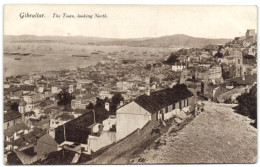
[129,118]
[11,118]
[154,107]
[178,67]
[79,104]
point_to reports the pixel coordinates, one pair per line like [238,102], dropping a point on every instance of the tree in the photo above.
[249,57]
[64,98]
[148,67]
[43,104]
[225,74]
[100,114]
[172,59]
[116,98]
[90,106]
[106,99]
[219,55]
[99,102]
[14,106]
[247,104]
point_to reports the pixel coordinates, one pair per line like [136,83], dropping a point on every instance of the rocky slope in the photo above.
[218,135]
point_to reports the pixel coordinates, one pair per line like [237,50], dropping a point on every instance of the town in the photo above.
[76,116]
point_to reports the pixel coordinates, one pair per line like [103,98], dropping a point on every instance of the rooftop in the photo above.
[76,129]
[10,115]
[162,98]
[30,151]
[249,80]
[15,128]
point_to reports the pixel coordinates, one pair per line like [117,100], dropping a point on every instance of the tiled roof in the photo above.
[28,88]
[15,128]
[249,80]
[7,107]
[14,89]
[31,137]
[162,98]
[10,115]
[81,111]
[47,139]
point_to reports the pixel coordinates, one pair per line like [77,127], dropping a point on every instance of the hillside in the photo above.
[175,41]
[218,135]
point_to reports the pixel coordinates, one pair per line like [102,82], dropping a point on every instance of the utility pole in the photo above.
[194,91]
[94,116]
[64,132]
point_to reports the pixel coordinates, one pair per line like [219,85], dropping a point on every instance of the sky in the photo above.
[131,21]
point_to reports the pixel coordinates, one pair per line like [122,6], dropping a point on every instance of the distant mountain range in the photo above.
[175,41]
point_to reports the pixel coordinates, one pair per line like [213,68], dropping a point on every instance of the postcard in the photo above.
[129,84]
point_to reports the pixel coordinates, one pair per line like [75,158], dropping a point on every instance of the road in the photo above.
[218,135]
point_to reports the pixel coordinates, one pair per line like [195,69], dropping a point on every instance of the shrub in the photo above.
[247,104]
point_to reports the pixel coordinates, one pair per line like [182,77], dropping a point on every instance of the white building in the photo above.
[153,108]
[54,89]
[178,67]
[79,104]
[105,93]
[32,98]
[215,73]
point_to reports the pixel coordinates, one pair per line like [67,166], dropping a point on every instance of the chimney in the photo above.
[107,106]
[64,132]
[26,131]
[121,103]
[148,92]
[243,78]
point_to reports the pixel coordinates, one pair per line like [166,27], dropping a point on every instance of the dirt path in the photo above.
[217,135]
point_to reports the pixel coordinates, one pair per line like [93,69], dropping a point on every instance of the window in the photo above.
[7,124]
[173,106]
[180,105]
[161,111]
[187,102]
[166,109]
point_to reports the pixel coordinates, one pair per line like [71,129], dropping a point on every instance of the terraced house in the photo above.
[155,107]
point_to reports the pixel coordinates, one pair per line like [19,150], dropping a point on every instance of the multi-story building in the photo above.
[215,73]
[250,33]
[178,67]
[32,98]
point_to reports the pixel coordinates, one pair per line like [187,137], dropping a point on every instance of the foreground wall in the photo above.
[125,145]
[129,118]
[106,138]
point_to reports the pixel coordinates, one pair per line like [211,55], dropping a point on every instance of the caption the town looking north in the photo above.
[24,15]
[66,15]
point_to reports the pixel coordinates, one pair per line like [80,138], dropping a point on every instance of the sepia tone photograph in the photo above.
[129,84]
